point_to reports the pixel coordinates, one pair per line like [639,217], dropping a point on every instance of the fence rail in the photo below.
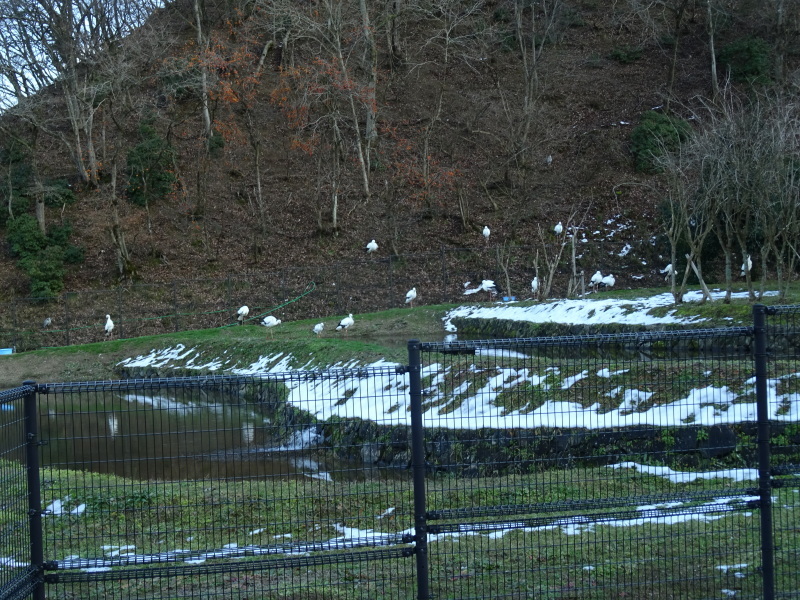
[657,465]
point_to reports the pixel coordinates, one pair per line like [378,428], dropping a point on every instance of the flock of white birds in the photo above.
[597,281]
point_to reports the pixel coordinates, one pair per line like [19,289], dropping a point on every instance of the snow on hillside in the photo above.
[470,400]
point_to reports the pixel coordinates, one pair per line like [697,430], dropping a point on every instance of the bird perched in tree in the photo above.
[47,322]
[535,285]
[558,229]
[372,247]
[318,328]
[109,326]
[242,313]
[608,281]
[486,232]
[345,323]
[747,266]
[595,280]
[411,295]
[667,272]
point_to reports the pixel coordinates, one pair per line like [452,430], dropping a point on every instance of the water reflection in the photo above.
[178,438]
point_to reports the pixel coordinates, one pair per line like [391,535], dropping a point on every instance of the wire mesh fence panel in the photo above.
[85,315]
[593,466]
[783,334]
[282,486]
[17,575]
[144,310]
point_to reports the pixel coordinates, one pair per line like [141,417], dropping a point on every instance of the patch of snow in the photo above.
[688,477]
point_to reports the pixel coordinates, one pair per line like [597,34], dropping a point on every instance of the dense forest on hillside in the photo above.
[207,137]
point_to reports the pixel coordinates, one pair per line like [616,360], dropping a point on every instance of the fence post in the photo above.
[120,326]
[444,273]
[15,341]
[34,487]
[390,295]
[764,476]
[418,467]
[177,318]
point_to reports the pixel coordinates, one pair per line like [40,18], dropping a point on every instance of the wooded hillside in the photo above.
[206,137]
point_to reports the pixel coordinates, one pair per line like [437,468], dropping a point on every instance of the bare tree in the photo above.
[738,177]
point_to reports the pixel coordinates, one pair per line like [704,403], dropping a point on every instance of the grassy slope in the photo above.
[374,336]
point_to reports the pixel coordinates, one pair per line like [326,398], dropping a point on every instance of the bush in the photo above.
[748,60]
[626,54]
[58,192]
[25,237]
[150,175]
[46,271]
[655,133]
[42,257]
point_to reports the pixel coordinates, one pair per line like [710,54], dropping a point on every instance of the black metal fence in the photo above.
[657,465]
[293,293]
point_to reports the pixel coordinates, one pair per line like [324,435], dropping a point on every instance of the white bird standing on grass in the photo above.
[486,232]
[242,313]
[345,323]
[595,280]
[109,326]
[747,266]
[318,328]
[372,247]
[558,229]
[411,295]
[608,281]
[269,322]
[535,285]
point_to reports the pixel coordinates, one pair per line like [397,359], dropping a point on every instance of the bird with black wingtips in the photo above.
[372,247]
[487,285]
[109,327]
[318,328]
[345,323]
[747,266]
[411,295]
[269,322]
[596,279]
[242,313]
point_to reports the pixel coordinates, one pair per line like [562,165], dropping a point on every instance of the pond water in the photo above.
[168,437]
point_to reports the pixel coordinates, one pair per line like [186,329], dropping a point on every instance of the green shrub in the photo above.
[58,192]
[46,271]
[655,133]
[150,175]
[25,237]
[626,54]
[216,144]
[42,257]
[748,60]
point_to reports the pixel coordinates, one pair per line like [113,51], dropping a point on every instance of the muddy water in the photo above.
[172,438]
